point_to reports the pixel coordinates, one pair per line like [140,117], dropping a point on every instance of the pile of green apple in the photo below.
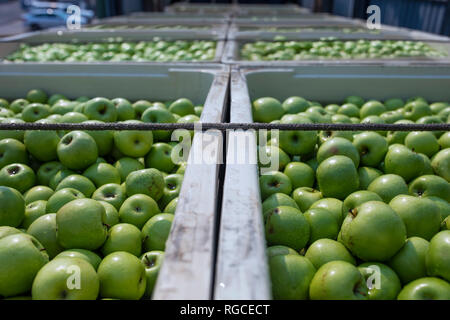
[344,208]
[158,50]
[337,49]
[313,29]
[100,202]
[143,27]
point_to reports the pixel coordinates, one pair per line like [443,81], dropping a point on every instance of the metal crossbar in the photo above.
[121,126]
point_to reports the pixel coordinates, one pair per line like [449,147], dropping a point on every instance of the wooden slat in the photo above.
[187,271]
[241,270]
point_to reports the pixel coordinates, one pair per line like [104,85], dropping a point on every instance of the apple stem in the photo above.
[354,212]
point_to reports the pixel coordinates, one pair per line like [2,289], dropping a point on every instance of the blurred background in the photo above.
[17,16]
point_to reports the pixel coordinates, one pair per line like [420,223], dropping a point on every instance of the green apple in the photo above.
[152,261]
[198,111]
[18,176]
[372,108]
[338,280]
[125,110]
[147,181]
[102,173]
[88,256]
[133,144]
[333,205]
[422,142]
[277,200]
[391,116]
[441,163]
[305,197]
[47,171]
[22,256]
[33,211]
[59,176]
[326,135]
[44,229]
[35,111]
[297,142]
[332,108]
[112,215]
[156,232]
[427,288]
[77,150]
[182,107]
[66,279]
[127,165]
[38,193]
[394,137]
[103,138]
[12,134]
[340,118]
[416,109]
[140,106]
[337,177]
[270,153]
[326,250]
[138,209]
[373,232]
[394,104]
[430,185]
[62,197]
[438,255]
[111,193]
[291,276]
[173,183]
[77,182]
[157,114]
[358,101]
[267,110]
[444,206]
[338,146]
[7,231]
[18,105]
[427,168]
[171,206]
[12,209]
[159,157]
[356,199]
[100,109]
[367,175]
[73,117]
[81,225]
[62,107]
[273,251]
[12,151]
[123,237]
[372,148]
[287,226]
[323,224]
[409,261]
[274,182]
[444,140]
[55,98]
[388,186]
[293,105]
[116,284]
[438,107]
[349,109]
[421,216]
[382,282]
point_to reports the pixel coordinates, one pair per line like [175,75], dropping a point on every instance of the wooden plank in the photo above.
[241,269]
[187,271]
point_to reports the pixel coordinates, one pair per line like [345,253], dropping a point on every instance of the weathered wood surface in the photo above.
[241,269]
[187,271]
